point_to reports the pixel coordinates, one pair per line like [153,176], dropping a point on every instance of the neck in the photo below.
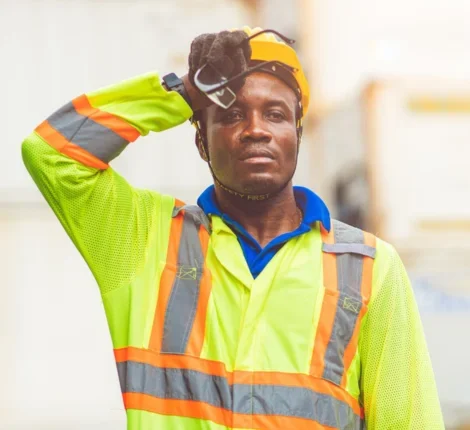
[263,219]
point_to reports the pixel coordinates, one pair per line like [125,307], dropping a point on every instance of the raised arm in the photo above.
[68,154]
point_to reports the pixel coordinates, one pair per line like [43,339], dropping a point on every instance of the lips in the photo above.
[256,153]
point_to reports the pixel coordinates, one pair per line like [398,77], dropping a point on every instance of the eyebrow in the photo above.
[271,102]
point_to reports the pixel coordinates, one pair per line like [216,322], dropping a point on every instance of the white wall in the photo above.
[352,42]
[421,168]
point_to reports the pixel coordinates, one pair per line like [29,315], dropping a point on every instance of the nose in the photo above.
[255,130]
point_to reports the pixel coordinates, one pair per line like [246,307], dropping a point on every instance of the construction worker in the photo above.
[253,309]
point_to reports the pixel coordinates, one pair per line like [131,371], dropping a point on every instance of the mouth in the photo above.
[258,160]
[257,156]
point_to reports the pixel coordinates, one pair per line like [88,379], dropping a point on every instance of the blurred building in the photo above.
[385,144]
[390,137]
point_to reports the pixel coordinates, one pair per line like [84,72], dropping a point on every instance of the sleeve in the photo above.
[68,154]
[397,381]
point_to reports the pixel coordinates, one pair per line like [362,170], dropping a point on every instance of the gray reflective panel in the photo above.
[183,384]
[199,216]
[179,384]
[349,274]
[351,248]
[95,138]
[183,301]
[294,402]
[347,234]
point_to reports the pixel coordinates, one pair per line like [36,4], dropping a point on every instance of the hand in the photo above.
[198,99]
[225,51]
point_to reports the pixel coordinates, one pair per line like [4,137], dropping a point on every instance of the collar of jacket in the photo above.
[312,206]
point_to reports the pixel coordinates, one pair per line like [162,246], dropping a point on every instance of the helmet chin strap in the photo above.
[252,197]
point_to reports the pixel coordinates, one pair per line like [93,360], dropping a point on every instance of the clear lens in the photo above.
[208,78]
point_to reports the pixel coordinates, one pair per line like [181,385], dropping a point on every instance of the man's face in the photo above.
[253,144]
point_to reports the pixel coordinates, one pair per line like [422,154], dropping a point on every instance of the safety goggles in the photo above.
[215,85]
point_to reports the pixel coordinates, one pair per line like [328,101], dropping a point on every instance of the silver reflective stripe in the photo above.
[183,301]
[98,140]
[349,273]
[199,216]
[183,384]
[294,402]
[352,248]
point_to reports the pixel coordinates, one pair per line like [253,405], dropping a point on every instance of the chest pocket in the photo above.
[184,286]
[348,255]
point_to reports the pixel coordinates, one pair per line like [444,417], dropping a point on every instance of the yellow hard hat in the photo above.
[266,47]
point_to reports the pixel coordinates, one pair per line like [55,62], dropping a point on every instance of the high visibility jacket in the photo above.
[326,337]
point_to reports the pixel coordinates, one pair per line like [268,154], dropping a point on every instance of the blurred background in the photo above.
[386,145]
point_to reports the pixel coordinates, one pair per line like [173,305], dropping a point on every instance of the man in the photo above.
[252,310]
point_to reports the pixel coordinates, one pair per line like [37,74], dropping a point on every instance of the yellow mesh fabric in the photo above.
[397,380]
[106,218]
[119,230]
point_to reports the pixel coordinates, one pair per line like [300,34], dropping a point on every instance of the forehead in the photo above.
[266,86]
[262,88]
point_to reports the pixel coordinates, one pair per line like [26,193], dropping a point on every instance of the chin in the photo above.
[260,185]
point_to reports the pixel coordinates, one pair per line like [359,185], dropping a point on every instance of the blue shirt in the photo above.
[313,209]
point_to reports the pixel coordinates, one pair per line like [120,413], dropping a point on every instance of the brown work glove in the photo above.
[224,51]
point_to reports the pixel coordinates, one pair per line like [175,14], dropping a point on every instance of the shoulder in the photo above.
[389,278]
[385,252]
[388,271]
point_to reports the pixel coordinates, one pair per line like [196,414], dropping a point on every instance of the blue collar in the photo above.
[312,206]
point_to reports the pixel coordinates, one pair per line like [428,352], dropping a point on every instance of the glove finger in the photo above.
[203,58]
[199,47]
[219,47]
[225,66]
[235,38]
[239,41]
[239,65]
[226,43]
[239,61]
[226,55]
[195,50]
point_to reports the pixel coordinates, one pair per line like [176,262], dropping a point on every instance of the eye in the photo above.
[275,115]
[232,116]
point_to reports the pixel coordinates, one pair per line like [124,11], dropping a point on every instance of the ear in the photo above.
[300,130]
[199,139]
[201,146]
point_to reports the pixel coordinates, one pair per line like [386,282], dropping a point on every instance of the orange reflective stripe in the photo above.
[216,368]
[51,136]
[166,283]
[366,290]
[279,422]
[171,361]
[181,408]
[366,285]
[179,203]
[196,338]
[201,410]
[119,126]
[59,142]
[84,157]
[328,310]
